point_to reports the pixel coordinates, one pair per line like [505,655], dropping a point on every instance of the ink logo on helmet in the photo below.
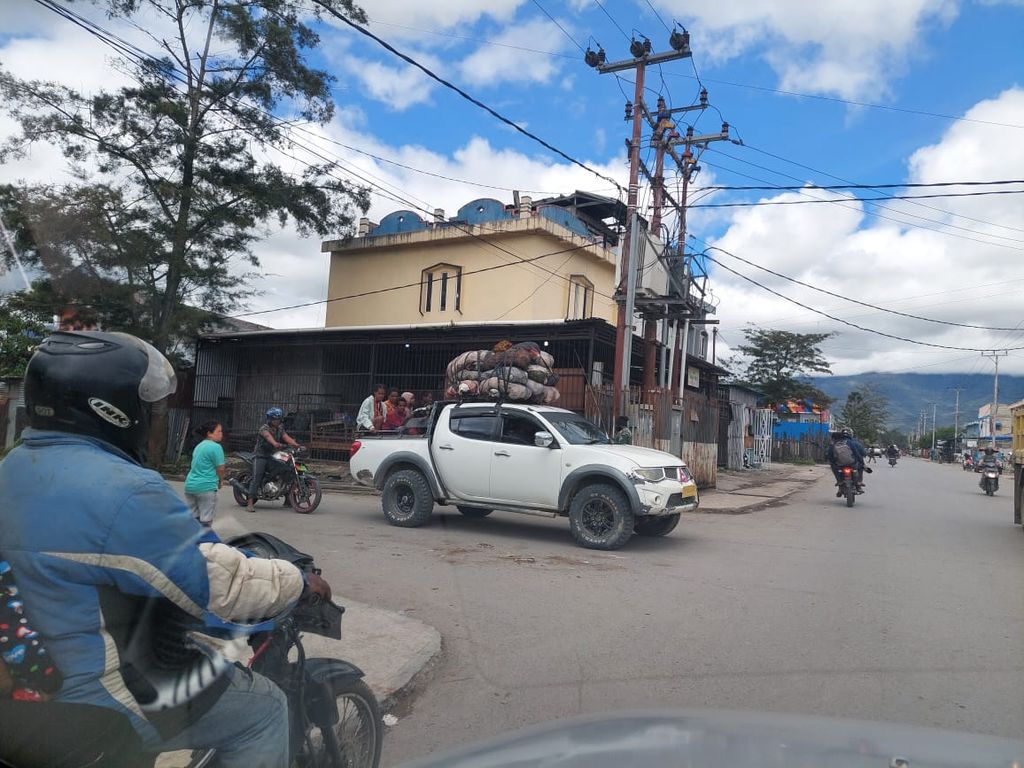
[109,413]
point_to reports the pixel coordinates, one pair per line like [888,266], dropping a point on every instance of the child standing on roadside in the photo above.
[206,475]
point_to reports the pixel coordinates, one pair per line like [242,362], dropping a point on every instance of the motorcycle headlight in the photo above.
[649,474]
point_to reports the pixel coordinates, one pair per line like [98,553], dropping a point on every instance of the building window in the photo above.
[581,298]
[441,289]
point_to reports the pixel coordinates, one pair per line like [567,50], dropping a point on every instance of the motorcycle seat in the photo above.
[245,455]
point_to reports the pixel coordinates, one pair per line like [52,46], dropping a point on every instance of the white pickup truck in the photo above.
[482,457]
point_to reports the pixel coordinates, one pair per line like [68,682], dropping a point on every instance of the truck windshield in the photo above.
[577,430]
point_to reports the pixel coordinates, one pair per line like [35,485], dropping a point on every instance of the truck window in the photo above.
[518,428]
[475,427]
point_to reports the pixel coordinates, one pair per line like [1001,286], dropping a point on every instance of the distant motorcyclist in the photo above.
[893,451]
[845,451]
[90,531]
[271,437]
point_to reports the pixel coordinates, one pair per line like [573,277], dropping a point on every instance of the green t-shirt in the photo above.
[202,477]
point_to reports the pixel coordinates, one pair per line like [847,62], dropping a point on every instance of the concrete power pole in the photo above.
[995,355]
[642,57]
[934,408]
[956,420]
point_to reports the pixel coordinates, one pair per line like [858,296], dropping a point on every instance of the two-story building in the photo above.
[409,293]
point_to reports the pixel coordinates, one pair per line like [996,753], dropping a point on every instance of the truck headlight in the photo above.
[649,474]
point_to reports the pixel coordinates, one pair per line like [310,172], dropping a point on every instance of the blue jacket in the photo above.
[80,515]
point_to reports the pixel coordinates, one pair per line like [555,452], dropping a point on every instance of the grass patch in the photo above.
[802,462]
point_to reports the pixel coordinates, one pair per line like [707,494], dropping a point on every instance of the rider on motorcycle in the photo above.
[893,451]
[988,461]
[271,437]
[86,528]
[845,451]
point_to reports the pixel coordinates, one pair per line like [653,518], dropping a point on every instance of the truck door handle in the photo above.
[502,453]
[445,447]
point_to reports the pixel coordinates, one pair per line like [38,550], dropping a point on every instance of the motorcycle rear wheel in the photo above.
[851,494]
[314,495]
[359,732]
[241,499]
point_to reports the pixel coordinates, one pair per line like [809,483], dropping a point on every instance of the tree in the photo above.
[779,362]
[20,332]
[865,412]
[175,173]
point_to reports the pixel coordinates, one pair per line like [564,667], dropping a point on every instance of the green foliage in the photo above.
[865,412]
[176,179]
[777,363]
[20,332]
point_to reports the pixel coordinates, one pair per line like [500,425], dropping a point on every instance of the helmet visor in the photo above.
[159,380]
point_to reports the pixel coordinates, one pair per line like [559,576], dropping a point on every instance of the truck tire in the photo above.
[407,501]
[474,511]
[656,526]
[600,517]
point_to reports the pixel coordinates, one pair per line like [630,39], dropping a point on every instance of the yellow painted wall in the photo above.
[516,292]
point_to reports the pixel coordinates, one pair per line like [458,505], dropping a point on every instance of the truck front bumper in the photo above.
[667,498]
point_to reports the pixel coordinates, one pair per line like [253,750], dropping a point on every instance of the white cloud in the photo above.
[845,47]
[440,14]
[398,87]
[494,64]
[911,269]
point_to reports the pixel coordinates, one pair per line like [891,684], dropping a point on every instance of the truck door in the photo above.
[462,447]
[522,473]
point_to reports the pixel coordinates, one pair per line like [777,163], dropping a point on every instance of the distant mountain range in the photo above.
[910,393]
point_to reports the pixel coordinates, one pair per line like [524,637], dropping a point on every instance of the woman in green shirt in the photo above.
[207,473]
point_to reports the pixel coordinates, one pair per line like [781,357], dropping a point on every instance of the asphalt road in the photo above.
[908,608]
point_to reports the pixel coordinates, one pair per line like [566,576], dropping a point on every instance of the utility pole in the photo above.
[642,57]
[995,355]
[956,421]
[934,408]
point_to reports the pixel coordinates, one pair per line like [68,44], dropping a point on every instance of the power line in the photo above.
[888,107]
[847,322]
[481,40]
[761,203]
[555,22]
[869,212]
[451,86]
[649,5]
[907,185]
[861,303]
[847,181]
[613,21]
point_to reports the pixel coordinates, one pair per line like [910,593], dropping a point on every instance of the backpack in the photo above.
[842,454]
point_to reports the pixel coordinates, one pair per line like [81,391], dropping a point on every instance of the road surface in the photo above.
[908,608]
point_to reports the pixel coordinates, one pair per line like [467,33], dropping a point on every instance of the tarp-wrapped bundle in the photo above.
[519,372]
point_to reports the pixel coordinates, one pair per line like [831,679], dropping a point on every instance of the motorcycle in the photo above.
[892,461]
[968,464]
[334,718]
[990,481]
[847,484]
[285,477]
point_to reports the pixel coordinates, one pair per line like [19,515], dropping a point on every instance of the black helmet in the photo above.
[847,432]
[97,384]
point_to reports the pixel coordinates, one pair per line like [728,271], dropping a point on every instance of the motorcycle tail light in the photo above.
[847,471]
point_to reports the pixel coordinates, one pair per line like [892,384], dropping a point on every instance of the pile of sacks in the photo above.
[519,372]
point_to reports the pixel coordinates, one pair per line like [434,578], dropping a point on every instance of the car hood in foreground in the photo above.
[711,739]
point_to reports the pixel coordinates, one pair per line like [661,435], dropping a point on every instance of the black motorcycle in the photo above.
[892,461]
[847,484]
[335,719]
[285,477]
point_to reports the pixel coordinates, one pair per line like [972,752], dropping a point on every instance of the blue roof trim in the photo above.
[483,209]
[400,221]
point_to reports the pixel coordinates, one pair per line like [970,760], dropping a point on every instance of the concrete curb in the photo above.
[758,496]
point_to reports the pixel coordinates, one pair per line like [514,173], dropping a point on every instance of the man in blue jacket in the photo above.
[86,528]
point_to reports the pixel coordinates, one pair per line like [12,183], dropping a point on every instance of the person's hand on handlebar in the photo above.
[315,585]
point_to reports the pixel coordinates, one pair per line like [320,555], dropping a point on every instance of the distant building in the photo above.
[1003,425]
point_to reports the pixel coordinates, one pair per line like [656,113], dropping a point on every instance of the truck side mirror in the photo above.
[543,439]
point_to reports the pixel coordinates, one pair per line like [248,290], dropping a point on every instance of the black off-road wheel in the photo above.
[407,501]
[600,517]
[656,526]
[474,511]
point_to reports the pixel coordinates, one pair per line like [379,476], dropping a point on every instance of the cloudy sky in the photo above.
[864,91]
